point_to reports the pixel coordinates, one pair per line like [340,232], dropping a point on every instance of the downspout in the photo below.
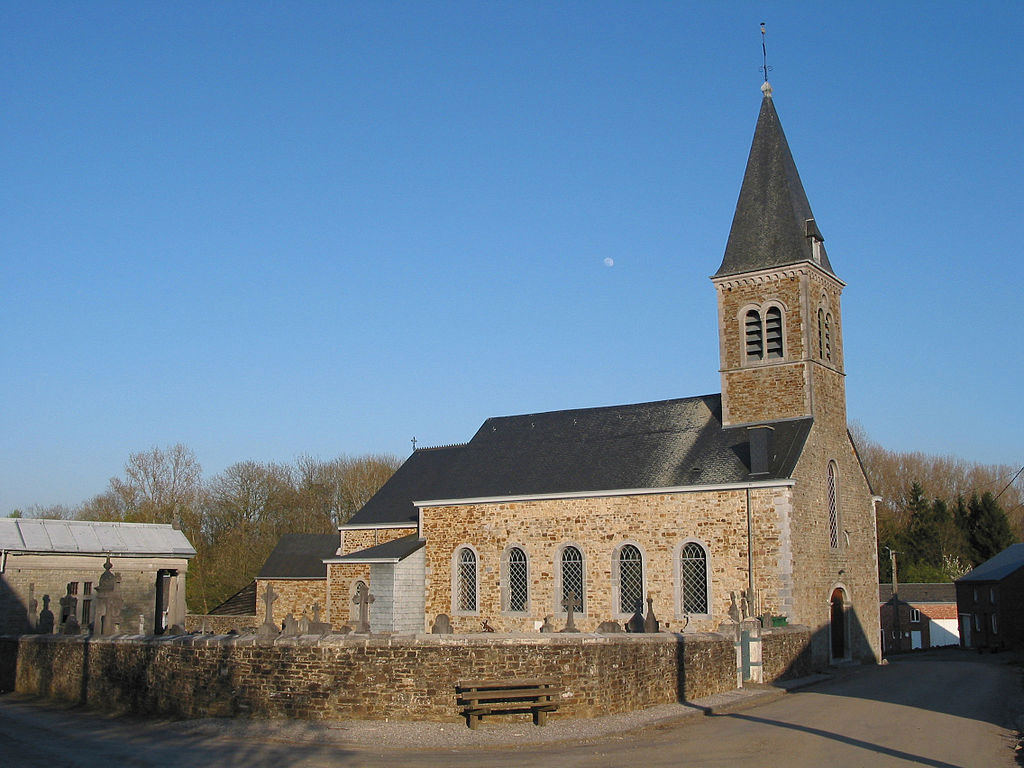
[750,554]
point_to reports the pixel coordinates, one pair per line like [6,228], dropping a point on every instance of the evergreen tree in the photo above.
[990,530]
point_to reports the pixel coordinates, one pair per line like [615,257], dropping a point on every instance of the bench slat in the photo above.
[518,683]
[509,705]
[510,694]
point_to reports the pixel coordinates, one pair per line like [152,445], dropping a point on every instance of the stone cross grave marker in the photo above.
[363,599]
[316,613]
[571,603]
[651,623]
[268,629]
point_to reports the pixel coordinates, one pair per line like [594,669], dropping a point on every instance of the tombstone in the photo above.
[651,623]
[442,625]
[304,623]
[571,603]
[45,624]
[268,629]
[636,621]
[68,609]
[177,629]
[317,627]
[290,628]
[363,599]
[734,610]
[107,602]
[548,625]
[71,626]
[747,604]
[609,628]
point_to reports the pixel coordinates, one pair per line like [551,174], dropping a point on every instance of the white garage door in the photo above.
[944,632]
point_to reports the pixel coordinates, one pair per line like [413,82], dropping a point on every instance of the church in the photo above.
[751,502]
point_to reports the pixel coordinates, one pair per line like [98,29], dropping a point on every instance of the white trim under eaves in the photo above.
[366,526]
[598,494]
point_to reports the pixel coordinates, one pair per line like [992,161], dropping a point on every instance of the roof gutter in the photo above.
[781,483]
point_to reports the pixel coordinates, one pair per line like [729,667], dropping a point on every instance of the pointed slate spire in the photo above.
[773,225]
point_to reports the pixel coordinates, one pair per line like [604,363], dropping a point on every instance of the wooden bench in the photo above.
[485,697]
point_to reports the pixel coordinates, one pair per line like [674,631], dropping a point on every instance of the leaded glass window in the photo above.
[517,580]
[693,570]
[466,579]
[833,507]
[631,580]
[572,577]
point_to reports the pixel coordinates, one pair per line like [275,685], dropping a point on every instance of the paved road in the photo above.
[951,710]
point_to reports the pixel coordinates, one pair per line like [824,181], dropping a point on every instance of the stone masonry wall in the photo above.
[401,677]
[357,539]
[294,597]
[341,580]
[659,524]
[219,624]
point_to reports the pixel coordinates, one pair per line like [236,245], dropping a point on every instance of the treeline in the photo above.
[234,518]
[941,515]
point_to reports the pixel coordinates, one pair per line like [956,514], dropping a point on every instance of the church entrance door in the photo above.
[838,625]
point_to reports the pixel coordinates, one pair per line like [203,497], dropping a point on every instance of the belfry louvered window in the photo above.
[517,581]
[631,580]
[754,335]
[833,506]
[693,572]
[821,333]
[465,577]
[571,572]
[828,336]
[773,332]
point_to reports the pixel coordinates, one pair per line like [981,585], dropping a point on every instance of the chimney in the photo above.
[761,449]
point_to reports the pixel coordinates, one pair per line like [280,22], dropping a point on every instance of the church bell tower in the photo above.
[779,323]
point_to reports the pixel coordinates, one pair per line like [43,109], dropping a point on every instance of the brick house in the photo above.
[919,616]
[750,500]
[43,562]
[990,602]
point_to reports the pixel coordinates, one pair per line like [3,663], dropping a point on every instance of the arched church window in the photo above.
[571,574]
[773,332]
[631,579]
[465,580]
[693,572]
[517,581]
[754,335]
[833,505]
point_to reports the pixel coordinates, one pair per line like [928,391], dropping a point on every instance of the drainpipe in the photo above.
[750,554]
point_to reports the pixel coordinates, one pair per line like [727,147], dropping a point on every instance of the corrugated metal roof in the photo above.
[89,537]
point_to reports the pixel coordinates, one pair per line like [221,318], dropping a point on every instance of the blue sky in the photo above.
[265,230]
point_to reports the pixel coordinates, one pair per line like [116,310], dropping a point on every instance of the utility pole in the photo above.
[895,601]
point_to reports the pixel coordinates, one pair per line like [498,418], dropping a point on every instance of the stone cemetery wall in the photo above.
[402,676]
[786,653]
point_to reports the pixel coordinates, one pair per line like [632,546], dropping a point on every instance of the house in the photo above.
[919,616]
[50,570]
[747,502]
[990,602]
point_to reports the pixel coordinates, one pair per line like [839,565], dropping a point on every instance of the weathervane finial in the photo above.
[766,89]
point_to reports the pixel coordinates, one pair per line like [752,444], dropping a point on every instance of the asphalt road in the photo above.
[936,710]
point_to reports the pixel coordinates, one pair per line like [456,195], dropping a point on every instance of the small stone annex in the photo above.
[699,510]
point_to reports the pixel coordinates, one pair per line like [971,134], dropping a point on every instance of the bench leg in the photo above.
[540,717]
[473,720]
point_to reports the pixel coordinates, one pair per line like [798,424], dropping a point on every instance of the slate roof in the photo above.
[300,556]
[919,593]
[397,549]
[242,603]
[661,444]
[995,568]
[93,538]
[769,227]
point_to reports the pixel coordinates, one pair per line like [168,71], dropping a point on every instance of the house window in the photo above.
[86,603]
[517,581]
[915,615]
[995,625]
[833,506]
[571,575]
[631,579]
[773,332]
[992,595]
[754,335]
[693,573]
[465,578]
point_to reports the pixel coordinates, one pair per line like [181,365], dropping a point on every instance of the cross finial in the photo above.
[766,89]
[414,443]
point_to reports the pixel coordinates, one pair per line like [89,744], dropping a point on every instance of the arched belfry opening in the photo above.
[837,625]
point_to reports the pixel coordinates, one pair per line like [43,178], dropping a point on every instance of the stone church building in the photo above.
[751,501]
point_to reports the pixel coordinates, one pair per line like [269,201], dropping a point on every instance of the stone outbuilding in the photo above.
[50,571]
[700,510]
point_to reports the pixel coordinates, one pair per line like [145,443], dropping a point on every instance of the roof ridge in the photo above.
[596,408]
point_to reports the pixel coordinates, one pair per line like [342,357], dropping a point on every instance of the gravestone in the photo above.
[45,624]
[176,629]
[107,602]
[290,628]
[268,629]
[651,624]
[442,625]
[636,622]
[68,609]
[363,600]
[304,623]
[548,625]
[317,627]
[609,628]
[571,603]
[734,610]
